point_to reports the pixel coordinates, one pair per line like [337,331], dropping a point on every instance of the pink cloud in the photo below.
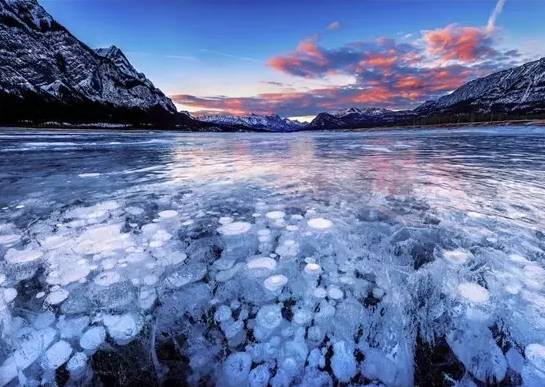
[465,44]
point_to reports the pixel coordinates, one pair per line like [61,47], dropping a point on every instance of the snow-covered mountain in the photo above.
[367,111]
[516,93]
[44,69]
[517,90]
[361,118]
[273,123]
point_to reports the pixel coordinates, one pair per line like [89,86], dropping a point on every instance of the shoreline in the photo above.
[127,128]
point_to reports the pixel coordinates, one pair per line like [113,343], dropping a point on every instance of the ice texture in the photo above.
[314,259]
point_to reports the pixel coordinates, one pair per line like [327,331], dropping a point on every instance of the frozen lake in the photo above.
[394,257]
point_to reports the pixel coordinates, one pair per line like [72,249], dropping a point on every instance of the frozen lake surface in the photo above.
[388,258]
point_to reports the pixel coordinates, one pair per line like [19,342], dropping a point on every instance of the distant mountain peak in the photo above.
[116,55]
[368,110]
[272,122]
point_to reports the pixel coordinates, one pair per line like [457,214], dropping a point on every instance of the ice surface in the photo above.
[313,259]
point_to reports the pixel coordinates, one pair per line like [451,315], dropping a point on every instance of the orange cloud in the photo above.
[465,44]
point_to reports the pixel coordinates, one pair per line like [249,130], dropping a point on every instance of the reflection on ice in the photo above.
[306,259]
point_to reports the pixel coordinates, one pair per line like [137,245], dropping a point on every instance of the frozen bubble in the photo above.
[259,376]
[534,272]
[14,256]
[292,227]
[93,338]
[40,294]
[225,220]
[335,293]
[275,282]
[162,235]
[77,363]
[9,294]
[146,298]
[168,214]
[458,256]
[275,215]
[135,211]
[150,279]
[174,258]
[269,317]
[72,327]
[473,292]
[343,362]
[30,349]
[56,297]
[102,239]
[320,292]
[8,239]
[43,320]
[90,174]
[518,259]
[236,368]
[535,353]
[234,228]
[69,273]
[302,317]
[312,269]
[378,293]
[107,278]
[123,328]
[57,355]
[320,223]
[223,313]
[262,266]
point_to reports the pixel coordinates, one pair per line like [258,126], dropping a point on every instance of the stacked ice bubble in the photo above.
[270,294]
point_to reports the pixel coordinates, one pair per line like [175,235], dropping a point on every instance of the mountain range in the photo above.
[272,122]
[48,76]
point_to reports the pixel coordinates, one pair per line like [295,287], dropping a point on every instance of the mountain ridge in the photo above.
[47,74]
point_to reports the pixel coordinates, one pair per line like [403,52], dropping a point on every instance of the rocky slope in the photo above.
[273,123]
[48,74]
[517,90]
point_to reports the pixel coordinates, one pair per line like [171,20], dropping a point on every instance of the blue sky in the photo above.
[219,52]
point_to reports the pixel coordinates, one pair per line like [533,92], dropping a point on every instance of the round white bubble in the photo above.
[312,268]
[275,215]
[275,282]
[535,353]
[320,223]
[473,292]
[168,214]
[234,228]
[458,256]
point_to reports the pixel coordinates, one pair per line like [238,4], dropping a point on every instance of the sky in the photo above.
[300,57]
